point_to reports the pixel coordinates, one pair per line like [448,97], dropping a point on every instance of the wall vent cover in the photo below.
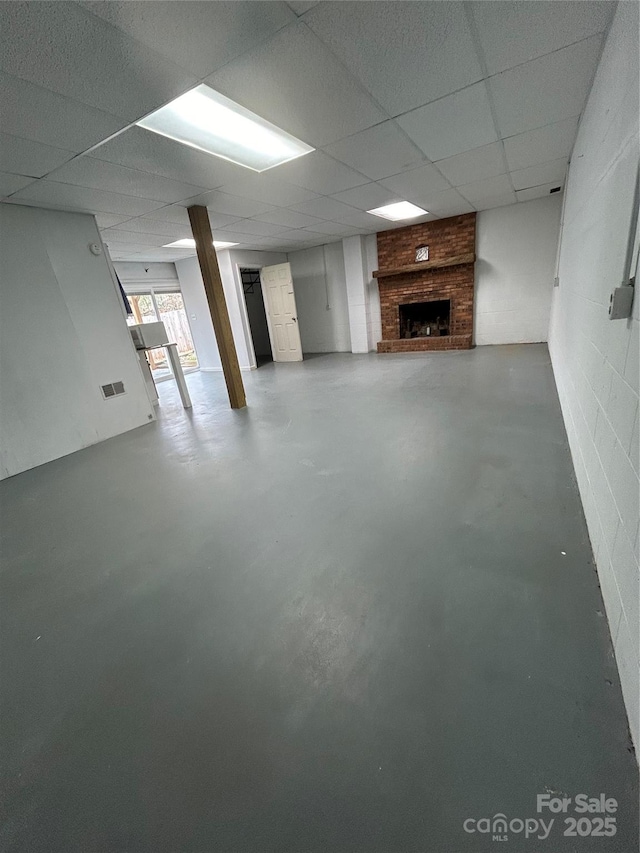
[113,389]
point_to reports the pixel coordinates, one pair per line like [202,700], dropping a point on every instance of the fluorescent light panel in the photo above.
[399,210]
[205,119]
[190,243]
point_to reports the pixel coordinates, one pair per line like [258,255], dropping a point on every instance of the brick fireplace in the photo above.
[427,304]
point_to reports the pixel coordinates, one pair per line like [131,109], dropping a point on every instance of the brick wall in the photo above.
[446,238]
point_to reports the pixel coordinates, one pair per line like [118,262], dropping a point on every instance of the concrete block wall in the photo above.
[516,249]
[321,298]
[373,291]
[596,360]
[355,269]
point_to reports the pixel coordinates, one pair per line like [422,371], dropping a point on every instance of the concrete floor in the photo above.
[339,620]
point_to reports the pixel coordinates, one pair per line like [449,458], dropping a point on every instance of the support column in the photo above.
[207,258]
[178,375]
[355,268]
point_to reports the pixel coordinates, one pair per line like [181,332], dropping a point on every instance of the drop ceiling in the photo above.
[452,106]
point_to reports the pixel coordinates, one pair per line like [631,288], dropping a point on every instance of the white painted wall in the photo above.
[134,274]
[197,308]
[595,360]
[516,254]
[516,249]
[233,290]
[321,298]
[195,301]
[355,270]
[63,334]
[373,293]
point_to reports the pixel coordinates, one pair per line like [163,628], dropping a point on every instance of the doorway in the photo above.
[257,315]
[166,305]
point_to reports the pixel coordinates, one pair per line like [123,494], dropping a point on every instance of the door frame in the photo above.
[163,287]
[244,313]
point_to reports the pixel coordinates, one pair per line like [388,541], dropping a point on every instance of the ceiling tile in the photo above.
[405,54]
[31,112]
[117,250]
[500,200]
[82,57]
[178,214]
[368,196]
[149,253]
[295,82]
[453,124]
[26,157]
[324,208]
[257,242]
[480,190]
[232,236]
[448,203]
[256,228]
[230,205]
[512,33]
[99,175]
[417,183]
[388,225]
[170,213]
[200,37]
[484,162]
[141,149]
[545,90]
[267,188]
[287,218]
[116,235]
[543,173]
[110,220]
[65,196]
[361,220]
[320,173]
[536,192]
[157,228]
[333,229]
[378,152]
[295,235]
[542,144]
[12,183]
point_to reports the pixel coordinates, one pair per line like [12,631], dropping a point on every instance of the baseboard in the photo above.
[219,369]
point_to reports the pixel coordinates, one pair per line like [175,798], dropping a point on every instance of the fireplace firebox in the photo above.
[425,319]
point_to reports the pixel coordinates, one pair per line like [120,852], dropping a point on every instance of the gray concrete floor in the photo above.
[339,620]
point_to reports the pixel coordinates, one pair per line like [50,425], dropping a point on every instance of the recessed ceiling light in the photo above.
[398,210]
[205,119]
[190,243]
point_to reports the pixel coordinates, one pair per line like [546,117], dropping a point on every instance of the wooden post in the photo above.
[208,260]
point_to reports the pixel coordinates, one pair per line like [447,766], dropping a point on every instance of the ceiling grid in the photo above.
[452,107]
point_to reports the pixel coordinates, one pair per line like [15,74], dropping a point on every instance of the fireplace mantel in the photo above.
[469,258]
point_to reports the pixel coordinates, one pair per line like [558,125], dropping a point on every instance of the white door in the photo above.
[282,317]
